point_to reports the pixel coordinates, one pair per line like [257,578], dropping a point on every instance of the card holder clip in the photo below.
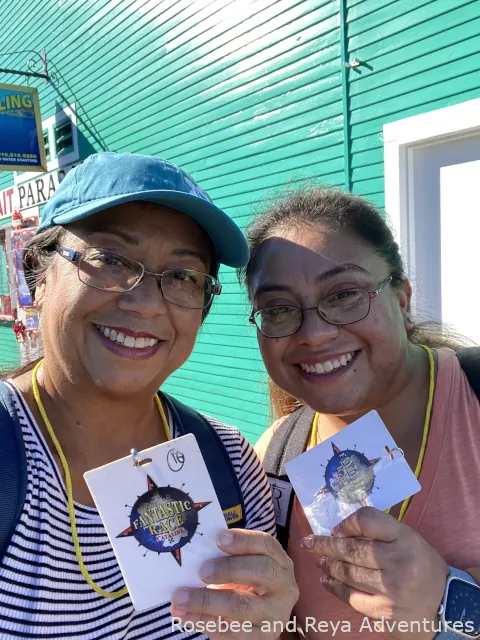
[391,452]
[137,461]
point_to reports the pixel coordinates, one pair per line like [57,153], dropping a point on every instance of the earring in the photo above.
[410,319]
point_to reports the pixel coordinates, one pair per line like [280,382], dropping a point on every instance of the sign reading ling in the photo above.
[21,135]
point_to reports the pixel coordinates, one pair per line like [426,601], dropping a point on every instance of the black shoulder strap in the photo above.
[470,362]
[288,442]
[13,468]
[219,464]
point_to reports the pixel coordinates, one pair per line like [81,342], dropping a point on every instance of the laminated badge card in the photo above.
[162,517]
[360,466]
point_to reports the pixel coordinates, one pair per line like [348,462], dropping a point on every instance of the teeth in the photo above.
[128,341]
[327,367]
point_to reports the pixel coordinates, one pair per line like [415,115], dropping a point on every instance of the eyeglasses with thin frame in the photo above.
[110,271]
[340,308]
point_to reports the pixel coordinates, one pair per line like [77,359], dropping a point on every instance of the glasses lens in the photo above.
[278,322]
[103,269]
[187,288]
[344,307]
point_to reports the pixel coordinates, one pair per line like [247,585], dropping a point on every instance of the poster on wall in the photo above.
[21,136]
[27,321]
[19,240]
[6,312]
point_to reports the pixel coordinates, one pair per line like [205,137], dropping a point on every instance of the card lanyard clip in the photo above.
[392,451]
[137,461]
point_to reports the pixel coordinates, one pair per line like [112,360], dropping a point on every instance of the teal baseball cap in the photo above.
[108,179]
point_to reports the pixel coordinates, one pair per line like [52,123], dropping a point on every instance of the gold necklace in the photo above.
[314,435]
[68,483]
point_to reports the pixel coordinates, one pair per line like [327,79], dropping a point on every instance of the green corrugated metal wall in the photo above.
[247,95]
[421,56]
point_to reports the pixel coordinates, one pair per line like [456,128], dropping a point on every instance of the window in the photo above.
[63,134]
[46,142]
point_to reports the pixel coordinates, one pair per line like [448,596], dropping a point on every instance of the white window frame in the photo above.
[48,126]
[400,140]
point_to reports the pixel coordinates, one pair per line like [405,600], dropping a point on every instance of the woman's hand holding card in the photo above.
[254,586]
[383,569]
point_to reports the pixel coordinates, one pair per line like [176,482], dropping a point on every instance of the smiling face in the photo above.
[132,341]
[335,369]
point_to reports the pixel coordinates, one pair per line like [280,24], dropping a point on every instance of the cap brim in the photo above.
[230,244]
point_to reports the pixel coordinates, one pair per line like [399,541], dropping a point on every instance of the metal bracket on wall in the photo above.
[353,64]
[31,65]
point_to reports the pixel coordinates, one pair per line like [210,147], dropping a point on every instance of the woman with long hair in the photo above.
[332,307]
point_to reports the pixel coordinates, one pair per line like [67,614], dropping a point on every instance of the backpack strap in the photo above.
[288,442]
[219,464]
[469,358]
[13,468]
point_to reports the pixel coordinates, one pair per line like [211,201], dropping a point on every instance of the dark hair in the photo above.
[337,210]
[333,208]
[39,255]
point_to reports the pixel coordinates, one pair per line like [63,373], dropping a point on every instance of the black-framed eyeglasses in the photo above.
[342,307]
[110,271]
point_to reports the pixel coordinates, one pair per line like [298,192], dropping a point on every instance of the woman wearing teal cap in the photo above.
[123,269]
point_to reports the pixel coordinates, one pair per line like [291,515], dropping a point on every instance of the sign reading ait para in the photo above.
[21,135]
[39,191]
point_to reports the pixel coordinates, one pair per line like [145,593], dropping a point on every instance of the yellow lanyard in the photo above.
[314,436]
[68,483]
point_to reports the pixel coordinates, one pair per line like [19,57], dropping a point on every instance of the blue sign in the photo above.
[21,135]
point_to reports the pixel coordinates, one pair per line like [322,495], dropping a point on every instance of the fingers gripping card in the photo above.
[162,517]
[360,466]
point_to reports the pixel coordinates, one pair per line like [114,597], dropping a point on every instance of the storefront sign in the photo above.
[7,202]
[21,136]
[38,191]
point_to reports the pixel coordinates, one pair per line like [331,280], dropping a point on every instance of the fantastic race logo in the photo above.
[164,519]
[349,476]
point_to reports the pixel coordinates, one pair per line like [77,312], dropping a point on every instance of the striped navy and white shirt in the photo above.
[42,591]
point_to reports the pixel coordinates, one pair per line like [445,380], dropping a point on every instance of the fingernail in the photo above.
[206,570]
[307,543]
[321,562]
[225,538]
[323,580]
[180,596]
[334,531]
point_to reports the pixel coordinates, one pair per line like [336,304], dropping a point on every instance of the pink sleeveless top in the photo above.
[446,512]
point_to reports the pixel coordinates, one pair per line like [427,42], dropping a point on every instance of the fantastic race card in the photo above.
[162,518]
[359,466]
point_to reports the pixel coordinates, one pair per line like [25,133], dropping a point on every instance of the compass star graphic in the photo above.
[164,519]
[349,476]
